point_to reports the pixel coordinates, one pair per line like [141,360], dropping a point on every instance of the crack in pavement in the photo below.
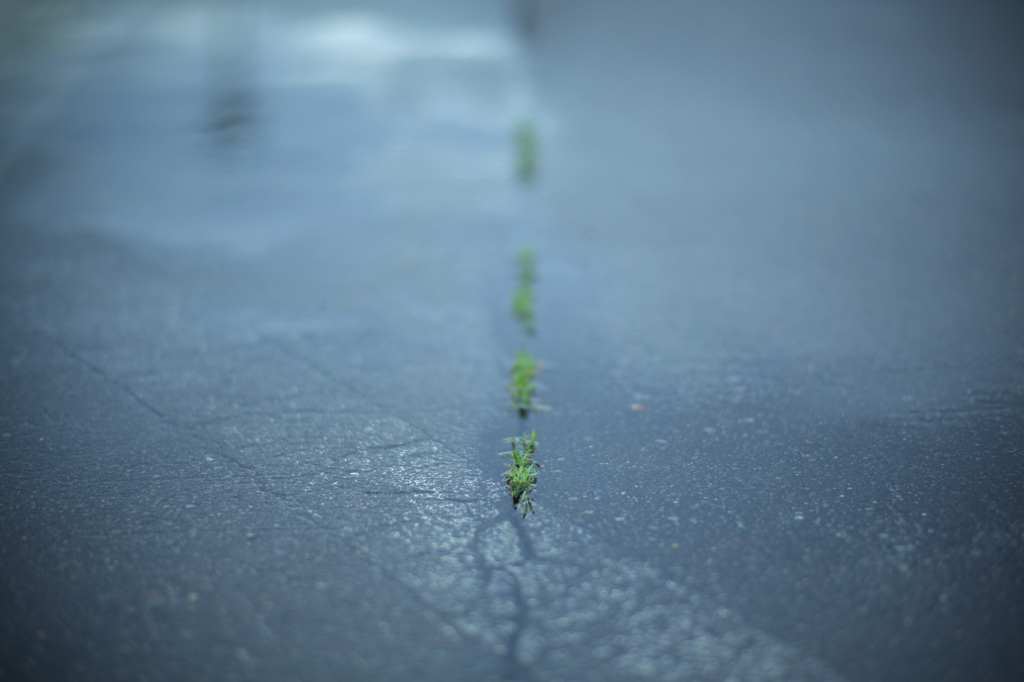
[105,376]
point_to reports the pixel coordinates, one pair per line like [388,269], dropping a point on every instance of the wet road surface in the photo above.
[254,281]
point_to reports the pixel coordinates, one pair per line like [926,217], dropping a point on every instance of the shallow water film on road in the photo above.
[280,280]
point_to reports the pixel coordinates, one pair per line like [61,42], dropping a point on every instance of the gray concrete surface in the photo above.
[254,281]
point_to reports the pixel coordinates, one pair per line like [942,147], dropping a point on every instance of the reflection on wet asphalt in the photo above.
[255,261]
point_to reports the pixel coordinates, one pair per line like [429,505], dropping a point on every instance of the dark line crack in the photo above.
[105,376]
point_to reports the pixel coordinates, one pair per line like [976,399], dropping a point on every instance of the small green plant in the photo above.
[526,262]
[526,151]
[522,386]
[522,308]
[523,296]
[522,471]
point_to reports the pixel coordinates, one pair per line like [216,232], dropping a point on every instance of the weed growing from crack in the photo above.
[526,152]
[527,267]
[522,386]
[522,471]
[522,308]
[523,296]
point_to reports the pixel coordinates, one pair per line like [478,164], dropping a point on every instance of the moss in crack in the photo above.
[522,471]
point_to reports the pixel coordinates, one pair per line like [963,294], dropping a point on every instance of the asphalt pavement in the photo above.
[256,261]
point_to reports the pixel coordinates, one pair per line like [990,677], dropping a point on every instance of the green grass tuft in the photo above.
[523,296]
[526,151]
[522,471]
[526,262]
[522,308]
[522,386]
